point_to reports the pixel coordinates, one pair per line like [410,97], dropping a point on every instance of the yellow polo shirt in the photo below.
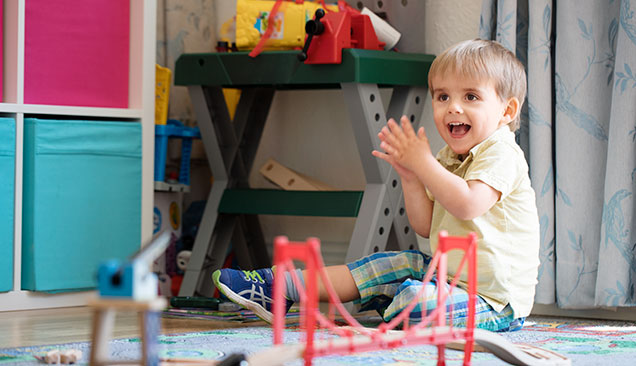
[508,244]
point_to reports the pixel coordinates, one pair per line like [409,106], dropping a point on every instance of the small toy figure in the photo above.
[182,259]
[65,357]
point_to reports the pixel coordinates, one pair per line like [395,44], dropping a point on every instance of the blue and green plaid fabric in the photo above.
[388,281]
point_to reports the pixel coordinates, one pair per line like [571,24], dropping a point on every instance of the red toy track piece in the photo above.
[433,329]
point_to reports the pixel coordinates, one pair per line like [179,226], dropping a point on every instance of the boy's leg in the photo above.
[341,281]
[456,306]
[375,278]
[253,289]
[378,276]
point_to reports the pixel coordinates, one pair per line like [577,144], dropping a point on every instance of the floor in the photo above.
[62,325]
[580,342]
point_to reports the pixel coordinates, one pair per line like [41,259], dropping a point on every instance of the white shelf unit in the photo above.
[141,109]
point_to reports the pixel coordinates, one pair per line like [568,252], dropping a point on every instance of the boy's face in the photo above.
[467,111]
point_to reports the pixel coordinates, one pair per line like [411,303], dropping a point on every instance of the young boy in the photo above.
[478,183]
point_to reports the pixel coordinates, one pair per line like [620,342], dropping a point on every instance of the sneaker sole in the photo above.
[260,311]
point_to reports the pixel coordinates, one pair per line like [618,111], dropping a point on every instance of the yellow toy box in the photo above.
[289,32]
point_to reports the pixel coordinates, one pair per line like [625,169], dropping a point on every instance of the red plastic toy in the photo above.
[328,33]
[356,338]
[346,28]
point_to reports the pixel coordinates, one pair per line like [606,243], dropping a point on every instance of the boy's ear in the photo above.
[513,108]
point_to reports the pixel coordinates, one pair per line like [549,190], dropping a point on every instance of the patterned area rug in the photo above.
[585,342]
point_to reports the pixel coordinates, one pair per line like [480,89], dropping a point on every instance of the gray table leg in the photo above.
[230,148]
[221,179]
[382,208]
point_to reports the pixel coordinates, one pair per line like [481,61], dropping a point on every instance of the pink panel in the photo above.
[76,52]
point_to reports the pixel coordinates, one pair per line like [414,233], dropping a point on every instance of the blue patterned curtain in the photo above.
[579,135]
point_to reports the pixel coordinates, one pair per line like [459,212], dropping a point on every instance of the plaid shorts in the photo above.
[388,281]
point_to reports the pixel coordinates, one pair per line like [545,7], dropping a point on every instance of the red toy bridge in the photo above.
[433,329]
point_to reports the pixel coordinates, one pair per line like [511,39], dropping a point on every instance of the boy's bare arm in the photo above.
[463,199]
[419,208]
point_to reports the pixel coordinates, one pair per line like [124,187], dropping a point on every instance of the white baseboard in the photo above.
[26,300]
[624,313]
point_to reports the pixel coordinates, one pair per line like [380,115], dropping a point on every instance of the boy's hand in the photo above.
[402,171]
[404,149]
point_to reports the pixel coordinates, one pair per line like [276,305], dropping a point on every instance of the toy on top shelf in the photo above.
[268,25]
[173,128]
[328,33]
[280,26]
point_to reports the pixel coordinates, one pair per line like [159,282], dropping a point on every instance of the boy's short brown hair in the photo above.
[484,60]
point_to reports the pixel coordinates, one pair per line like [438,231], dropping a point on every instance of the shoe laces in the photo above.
[253,276]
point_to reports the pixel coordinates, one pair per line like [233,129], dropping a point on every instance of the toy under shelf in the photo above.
[174,129]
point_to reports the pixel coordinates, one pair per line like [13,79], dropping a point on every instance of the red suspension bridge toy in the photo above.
[434,329]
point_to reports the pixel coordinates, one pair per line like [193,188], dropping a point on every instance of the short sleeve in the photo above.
[500,165]
[429,195]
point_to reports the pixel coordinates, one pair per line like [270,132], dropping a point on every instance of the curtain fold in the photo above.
[578,132]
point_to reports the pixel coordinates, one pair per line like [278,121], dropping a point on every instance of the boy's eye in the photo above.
[442,97]
[471,97]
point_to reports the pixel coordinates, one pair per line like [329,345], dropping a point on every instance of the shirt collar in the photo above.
[449,158]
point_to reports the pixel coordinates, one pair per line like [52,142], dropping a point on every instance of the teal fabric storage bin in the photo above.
[82,200]
[7,195]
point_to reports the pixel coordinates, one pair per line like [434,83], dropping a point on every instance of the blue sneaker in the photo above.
[252,290]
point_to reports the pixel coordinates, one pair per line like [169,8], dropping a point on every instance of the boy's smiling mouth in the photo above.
[458,129]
